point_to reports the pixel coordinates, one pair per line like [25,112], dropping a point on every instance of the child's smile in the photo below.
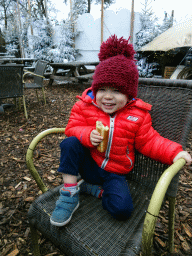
[110,99]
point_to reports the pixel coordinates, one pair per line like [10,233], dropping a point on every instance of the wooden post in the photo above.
[72,21]
[102,18]
[71,12]
[71,8]
[132,22]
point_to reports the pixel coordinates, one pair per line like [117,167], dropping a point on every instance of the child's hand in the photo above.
[95,138]
[185,155]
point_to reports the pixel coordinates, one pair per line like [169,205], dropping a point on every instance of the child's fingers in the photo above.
[95,138]
[185,155]
[95,132]
[95,135]
[188,160]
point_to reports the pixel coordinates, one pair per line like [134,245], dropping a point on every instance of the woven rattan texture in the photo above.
[11,85]
[171,117]
[92,231]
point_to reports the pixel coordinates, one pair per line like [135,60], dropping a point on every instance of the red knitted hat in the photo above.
[117,67]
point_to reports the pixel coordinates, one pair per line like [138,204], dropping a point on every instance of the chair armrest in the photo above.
[155,204]
[29,155]
[32,73]
[31,69]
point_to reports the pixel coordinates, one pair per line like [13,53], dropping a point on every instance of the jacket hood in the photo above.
[88,97]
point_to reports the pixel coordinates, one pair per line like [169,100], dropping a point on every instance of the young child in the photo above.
[112,100]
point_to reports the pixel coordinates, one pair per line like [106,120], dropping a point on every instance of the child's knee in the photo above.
[71,146]
[123,212]
[69,142]
[119,208]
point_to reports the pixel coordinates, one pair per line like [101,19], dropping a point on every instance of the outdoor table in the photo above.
[6,56]
[72,71]
[7,60]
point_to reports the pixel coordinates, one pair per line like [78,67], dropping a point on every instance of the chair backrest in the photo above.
[11,85]
[171,113]
[40,70]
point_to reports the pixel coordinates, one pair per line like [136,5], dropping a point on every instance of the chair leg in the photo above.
[148,233]
[19,103]
[34,238]
[43,91]
[172,201]
[25,109]
[15,101]
[37,95]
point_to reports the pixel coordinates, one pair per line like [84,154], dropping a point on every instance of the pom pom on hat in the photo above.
[114,46]
[117,67]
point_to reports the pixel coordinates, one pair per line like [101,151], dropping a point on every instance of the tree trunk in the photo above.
[49,28]
[19,31]
[5,16]
[89,6]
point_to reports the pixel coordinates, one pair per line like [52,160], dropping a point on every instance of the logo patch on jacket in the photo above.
[132,118]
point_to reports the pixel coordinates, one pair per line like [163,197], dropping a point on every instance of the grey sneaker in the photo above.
[66,205]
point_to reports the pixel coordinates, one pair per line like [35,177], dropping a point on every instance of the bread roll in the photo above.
[104,132]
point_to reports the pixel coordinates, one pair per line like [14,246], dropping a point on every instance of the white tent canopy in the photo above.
[179,35]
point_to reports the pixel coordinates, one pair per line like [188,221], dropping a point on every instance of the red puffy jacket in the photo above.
[130,128]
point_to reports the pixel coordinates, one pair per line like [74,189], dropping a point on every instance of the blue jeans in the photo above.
[76,159]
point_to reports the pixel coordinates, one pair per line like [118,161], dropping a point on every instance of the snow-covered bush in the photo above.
[147,69]
[44,44]
[63,48]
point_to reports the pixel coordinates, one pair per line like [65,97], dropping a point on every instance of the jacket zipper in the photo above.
[111,130]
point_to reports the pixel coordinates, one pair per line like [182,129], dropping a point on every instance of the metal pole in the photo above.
[132,22]
[102,18]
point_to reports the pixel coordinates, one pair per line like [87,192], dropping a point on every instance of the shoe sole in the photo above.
[58,224]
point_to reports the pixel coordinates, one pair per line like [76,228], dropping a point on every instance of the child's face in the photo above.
[110,99]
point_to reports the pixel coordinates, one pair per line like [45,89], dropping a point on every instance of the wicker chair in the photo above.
[92,231]
[11,85]
[38,76]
